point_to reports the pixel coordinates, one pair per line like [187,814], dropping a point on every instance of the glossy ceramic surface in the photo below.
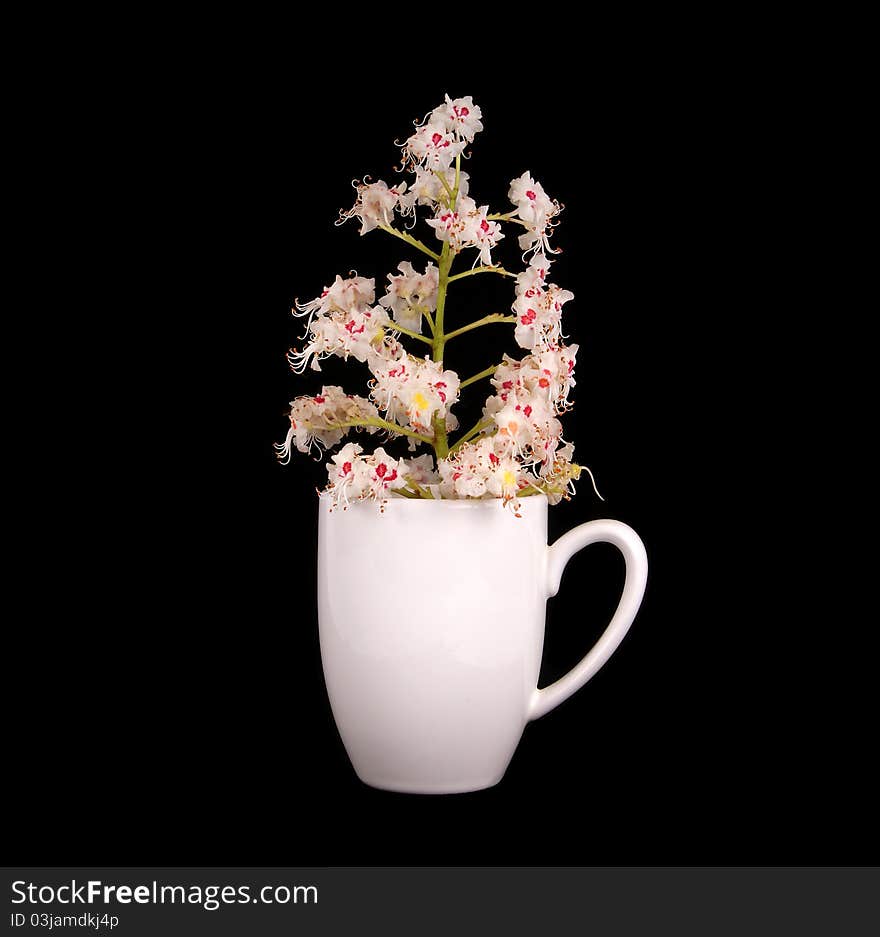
[431,618]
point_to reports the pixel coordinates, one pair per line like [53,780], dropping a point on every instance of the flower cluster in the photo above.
[538,306]
[411,294]
[443,135]
[414,391]
[545,376]
[536,210]
[321,421]
[429,188]
[341,322]
[353,476]
[375,204]
[485,467]
[465,225]
[490,467]
[517,447]
[429,154]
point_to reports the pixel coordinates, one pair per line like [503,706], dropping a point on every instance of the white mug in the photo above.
[431,617]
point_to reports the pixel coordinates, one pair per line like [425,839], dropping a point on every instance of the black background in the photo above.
[166,697]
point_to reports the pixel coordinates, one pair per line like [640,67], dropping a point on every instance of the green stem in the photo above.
[445,260]
[415,242]
[449,193]
[427,315]
[473,431]
[382,424]
[486,320]
[441,444]
[479,377]
[469,273]
[508,217]
[422,492]
[396,327]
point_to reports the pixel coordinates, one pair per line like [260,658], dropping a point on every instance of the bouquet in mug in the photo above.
[516,448]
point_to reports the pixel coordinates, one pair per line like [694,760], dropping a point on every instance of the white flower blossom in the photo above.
[531,393]
[353,476]
[411,294]
[538,307]
[558,475]
[527,421]
[413,391]
[460,116]
[340,323]
[556,365]
[536,210]
[485,235]
[344,295]
[321,421]
[421,470]
[483,468]
[427,189]
[432,146]
[547,374]
[375,204]
[490,468]
[467,226]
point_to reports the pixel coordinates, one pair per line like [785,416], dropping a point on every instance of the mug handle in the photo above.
[627,541]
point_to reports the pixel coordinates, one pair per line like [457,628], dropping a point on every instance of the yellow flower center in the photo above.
[419,401]
[508,479]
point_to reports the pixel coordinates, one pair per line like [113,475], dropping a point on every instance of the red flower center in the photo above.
[346,468]
[381,469]
[531,195]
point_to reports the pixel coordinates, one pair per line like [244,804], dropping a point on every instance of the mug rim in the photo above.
[457,504]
